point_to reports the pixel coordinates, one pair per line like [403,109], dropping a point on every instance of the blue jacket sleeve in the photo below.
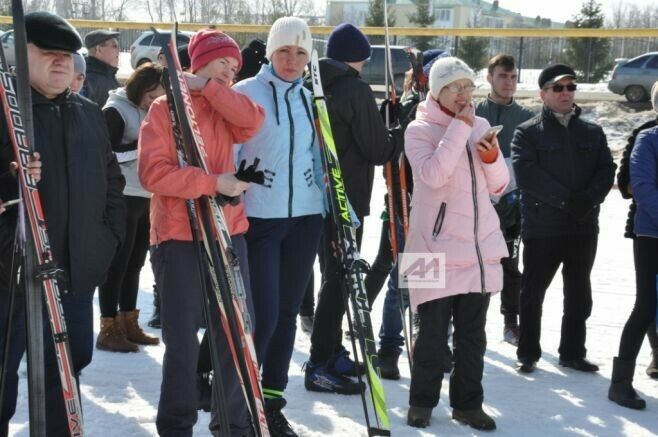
[644,173]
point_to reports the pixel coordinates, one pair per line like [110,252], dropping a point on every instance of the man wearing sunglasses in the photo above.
[564,170]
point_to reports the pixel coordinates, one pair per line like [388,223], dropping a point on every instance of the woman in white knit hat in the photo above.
[285,215]
[456,166]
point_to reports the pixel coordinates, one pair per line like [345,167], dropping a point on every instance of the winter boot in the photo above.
[132,329]
[155,317]
[388,364]
[276,421]
[477,419]
[621,385]
[324,378]
[112,338]
[344,365]
[652,370]
[419,417]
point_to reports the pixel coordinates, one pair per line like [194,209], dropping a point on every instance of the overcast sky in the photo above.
[563,10]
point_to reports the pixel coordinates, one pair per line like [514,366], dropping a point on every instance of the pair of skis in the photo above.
[41,271]
[353,266]
[210,230]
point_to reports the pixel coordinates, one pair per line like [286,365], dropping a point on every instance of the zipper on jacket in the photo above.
[292,151]
[474,187]
[438,223]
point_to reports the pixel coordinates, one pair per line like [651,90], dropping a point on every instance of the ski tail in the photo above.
[223,264]
[43,278]
[352,265]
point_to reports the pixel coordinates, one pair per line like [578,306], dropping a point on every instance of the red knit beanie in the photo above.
[207,45]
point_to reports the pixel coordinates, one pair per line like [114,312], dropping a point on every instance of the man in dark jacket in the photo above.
[102,62]
[564,170]
[363,142]
[500,108]
[80,190]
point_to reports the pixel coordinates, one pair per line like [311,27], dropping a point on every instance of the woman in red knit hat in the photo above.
[224,117]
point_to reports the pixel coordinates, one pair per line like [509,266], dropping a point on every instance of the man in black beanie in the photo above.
[81,195]
[362,141]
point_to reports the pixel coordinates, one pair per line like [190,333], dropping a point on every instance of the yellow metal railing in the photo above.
[400,31]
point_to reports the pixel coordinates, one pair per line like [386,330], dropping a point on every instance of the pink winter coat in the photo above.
[435,144]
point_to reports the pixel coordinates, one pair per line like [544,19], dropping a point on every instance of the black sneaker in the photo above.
[323,378]
[580,364]
[343,364]
[276,422]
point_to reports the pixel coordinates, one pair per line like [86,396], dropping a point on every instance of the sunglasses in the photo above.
[559,88]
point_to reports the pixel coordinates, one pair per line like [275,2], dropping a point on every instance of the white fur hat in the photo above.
[654,96]
[288,31]
[447,70]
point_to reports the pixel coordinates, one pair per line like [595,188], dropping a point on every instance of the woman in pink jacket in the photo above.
[453,251]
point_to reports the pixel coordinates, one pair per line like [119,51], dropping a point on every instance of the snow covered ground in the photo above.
[120,391]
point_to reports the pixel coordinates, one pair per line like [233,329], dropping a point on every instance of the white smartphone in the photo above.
[493,131]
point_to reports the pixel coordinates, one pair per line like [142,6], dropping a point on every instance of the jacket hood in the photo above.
[430,111]
[98,66]
[118,95]
[332,70]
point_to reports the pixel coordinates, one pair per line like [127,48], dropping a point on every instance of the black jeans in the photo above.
[541,259]
[122,282]
[326,338]
[509,295]
[645,252]
[469,313]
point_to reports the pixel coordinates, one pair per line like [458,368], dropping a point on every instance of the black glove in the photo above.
[250,174]
[579,205]
[393,111]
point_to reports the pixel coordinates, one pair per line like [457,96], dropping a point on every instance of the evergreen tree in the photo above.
[473,51]
[422,18]
[375,18]
[590,57]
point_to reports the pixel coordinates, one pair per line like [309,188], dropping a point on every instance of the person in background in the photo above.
[559,214]
[124,112]
[456,166]
[640,170]
[102,65]
[500,109]
[624,185]
[79,72]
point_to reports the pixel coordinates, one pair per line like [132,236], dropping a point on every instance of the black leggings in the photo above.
[645,252]
[123,277]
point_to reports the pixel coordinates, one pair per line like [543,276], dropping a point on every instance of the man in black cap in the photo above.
[81,194]
[564,170]
[102,62]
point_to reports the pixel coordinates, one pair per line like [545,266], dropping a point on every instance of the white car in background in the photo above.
[147,46]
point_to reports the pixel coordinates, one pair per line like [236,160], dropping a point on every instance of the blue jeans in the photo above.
[390,333]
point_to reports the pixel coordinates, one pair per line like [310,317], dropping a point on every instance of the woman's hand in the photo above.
[488,149]
[194,82]
[466,114]
[228,185]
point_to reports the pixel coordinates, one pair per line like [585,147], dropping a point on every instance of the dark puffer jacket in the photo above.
[554,166]
[80,187]
[101,78]
[361,137]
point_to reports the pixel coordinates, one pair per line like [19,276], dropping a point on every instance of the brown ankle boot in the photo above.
[112,338]
[132,329]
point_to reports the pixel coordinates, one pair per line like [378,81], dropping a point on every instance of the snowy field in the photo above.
[120,391]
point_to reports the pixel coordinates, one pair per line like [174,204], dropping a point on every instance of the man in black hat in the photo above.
[81,194]
[102,62]
[564,170]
